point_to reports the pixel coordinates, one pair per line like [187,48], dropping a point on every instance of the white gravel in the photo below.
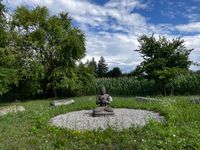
[123,118]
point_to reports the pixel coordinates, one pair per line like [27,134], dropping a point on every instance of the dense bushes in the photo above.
[182,85]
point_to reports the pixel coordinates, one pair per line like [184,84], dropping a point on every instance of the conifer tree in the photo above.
[102,67]
[93,66]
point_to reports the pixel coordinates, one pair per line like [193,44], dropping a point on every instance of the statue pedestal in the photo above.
[102,111]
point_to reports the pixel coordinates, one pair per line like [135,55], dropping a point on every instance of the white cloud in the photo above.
[193,42]
[191,27]
[125,5]
[118,27]
[193,17]
[116,48]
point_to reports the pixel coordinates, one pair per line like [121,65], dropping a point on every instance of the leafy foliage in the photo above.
[164,60]
[3,34]
[42,50]
[50,41]
[115,72]
[8,61]
[93,65]
[85,75]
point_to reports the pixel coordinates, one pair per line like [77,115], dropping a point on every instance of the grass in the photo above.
[30,129]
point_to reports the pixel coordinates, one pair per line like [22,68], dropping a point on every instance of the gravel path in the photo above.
[123,118]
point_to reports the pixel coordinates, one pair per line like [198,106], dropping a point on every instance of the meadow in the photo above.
[30,129]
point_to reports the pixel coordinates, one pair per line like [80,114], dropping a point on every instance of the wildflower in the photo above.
[143,140]
[76,132]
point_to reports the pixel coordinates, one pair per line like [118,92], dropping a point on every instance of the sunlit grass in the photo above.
[30,129]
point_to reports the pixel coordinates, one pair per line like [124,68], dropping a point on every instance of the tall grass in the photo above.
[182,85]
[187,85]
[121,86]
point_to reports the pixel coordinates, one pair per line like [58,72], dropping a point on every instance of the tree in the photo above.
[115,72]
[102,67]
[38,53]
[85,74]
[164,60]
[93,65]
[49,46]
[137,72]
[3,35]
[8,57]
[8,70]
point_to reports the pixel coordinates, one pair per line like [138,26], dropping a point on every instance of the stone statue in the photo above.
[103,100]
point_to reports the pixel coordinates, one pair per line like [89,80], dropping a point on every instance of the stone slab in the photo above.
[11,109]
[195,100]
[62,102]
[145,99]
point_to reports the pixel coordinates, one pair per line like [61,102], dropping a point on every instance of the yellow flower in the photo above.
[76,132]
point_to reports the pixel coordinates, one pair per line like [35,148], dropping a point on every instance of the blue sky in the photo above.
[113,26]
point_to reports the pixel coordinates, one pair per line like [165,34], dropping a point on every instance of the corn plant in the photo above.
[130,86]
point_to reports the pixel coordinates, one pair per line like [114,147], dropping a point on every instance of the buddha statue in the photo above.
[103,100]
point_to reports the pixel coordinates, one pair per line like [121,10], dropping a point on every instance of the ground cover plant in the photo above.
[30,129]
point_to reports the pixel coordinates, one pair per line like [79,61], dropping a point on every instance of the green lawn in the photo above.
[30,129]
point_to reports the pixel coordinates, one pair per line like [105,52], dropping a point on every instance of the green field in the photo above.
[124,86]
[30,129]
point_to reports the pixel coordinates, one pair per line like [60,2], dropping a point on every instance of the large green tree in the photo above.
[164,59]
[49,47]
[39,52]
[8,61]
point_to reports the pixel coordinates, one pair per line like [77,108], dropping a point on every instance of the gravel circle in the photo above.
[123,118]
